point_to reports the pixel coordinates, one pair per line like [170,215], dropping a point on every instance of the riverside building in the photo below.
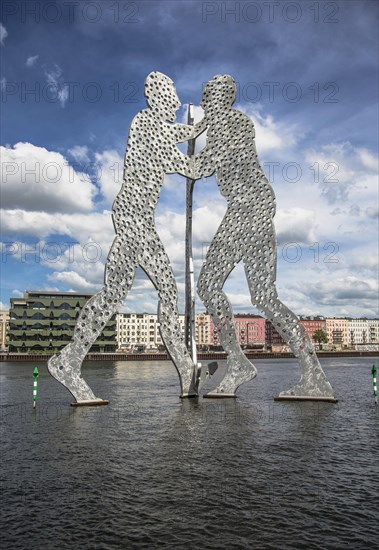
[337,332]
[140,331]
[363,332]
[250,330]
[274,342]
[312,324]
[204,329]
[4,327]
[44,322]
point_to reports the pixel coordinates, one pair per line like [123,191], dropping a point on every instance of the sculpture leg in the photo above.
[154,261]
[261,281]
[66,365]
[218,264]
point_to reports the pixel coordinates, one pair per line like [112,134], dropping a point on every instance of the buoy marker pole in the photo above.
[375,384]
[35,381]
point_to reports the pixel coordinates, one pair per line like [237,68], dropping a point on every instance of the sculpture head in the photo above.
[161,96]
[219,94]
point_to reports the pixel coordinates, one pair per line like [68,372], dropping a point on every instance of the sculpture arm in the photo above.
[204,166]
[184,132]
[182,164]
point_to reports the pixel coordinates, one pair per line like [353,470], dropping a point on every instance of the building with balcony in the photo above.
[274,342]
[44,322]
[204,326]
[4,327]
[363,331]
[373,331]
[250,330]
[140,331]
[337,332]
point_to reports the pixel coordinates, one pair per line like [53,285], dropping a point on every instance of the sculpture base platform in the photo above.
[305,398]
[188,395]
[217,395]
[90,403]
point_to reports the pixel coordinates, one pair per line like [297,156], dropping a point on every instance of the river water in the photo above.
[152,471]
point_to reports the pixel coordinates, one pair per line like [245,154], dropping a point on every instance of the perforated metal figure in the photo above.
[151,153]
[246,234]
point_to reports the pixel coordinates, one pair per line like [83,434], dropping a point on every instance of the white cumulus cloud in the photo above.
[111,166]
[31,60]
[80,153]
[3,34]
[344,172]
[56,83]
[270,134]
[34,178]
[295,225]
[96,226]
[349,291]
[368,159]
[73,280]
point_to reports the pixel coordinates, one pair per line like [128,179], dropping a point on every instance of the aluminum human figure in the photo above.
[246,234]
[150,154]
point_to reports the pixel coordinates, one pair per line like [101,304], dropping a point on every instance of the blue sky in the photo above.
[306,73]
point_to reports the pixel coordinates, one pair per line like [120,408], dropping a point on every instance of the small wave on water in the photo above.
[150,471]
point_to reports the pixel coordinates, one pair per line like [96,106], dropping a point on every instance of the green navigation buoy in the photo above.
[35,380]
[375,385]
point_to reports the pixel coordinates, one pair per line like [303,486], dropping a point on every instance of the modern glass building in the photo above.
[44,322]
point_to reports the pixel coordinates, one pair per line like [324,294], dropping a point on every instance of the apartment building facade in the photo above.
[204,328]
[274,342]
[363,331]
[140,331]
[337,332]
[44,322]
[4,327]
[312,324]
[251,330]
[373,330]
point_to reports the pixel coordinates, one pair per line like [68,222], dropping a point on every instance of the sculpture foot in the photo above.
[313,381]
[188,383]
[188,395]
[305,398]
[312,384]
[205,373]
[305,390]
[238,371]
[215,394]
[90,403]
[67,371]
